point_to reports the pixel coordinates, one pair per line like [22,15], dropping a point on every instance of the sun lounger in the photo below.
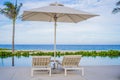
[71,62]
[41,63]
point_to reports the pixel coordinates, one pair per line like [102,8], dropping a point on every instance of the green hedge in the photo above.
[110,53]
[5,54]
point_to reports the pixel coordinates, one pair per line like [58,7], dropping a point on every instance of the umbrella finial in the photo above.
[56,4]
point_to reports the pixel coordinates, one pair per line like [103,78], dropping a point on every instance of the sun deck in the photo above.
[91,73]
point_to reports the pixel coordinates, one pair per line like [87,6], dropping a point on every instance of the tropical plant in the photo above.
[117,9]
[11,11]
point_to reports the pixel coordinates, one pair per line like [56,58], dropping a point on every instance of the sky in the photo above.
[101,30]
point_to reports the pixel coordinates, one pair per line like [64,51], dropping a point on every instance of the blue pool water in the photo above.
[85,61]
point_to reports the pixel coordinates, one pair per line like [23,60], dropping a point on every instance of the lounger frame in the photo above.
[71,62]
[41,63]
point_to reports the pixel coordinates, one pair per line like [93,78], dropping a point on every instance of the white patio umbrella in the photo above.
[56,13]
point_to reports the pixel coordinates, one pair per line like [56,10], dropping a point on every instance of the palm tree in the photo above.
[11,11]
[117,9]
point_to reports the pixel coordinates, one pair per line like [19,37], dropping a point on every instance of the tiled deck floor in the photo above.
[91,73]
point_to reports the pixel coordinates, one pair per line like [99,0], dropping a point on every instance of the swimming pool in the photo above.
[85,61]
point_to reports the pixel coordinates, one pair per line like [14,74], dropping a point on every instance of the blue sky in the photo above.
[103,29]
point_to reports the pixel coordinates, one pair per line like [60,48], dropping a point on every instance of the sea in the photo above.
[60,47]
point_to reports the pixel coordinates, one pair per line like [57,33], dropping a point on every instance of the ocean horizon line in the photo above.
[66,44]
[60,47]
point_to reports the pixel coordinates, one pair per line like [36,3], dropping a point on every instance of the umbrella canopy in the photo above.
[63,14]
[56,13]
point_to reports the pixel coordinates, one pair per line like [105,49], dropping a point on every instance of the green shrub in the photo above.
[18,54]
[110,53]
[4,54]
[25,53]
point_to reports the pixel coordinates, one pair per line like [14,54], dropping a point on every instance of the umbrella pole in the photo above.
[55,19]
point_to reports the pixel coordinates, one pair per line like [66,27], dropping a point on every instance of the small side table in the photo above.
[55,67]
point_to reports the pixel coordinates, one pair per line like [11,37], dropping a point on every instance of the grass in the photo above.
[110,53]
